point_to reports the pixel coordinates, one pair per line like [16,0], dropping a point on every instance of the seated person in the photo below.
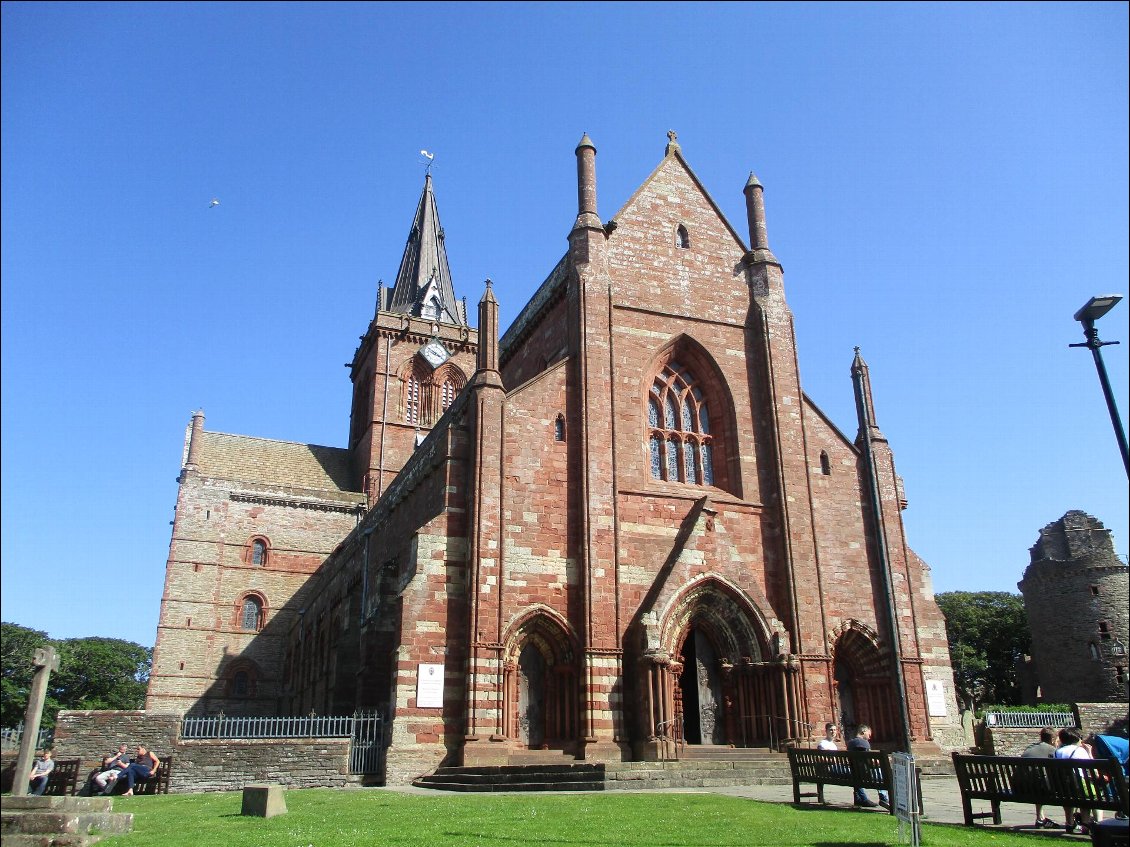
[40,773]
[112,766]
[862,741]
[144,765]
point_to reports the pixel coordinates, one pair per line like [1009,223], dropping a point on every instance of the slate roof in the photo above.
[310,469]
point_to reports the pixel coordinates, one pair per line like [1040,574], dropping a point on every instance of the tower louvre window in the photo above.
[559,428]
[825,463]
[412,399]
[679,449]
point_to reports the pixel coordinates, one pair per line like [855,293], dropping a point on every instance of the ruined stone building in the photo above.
[617,526]
[1077,597]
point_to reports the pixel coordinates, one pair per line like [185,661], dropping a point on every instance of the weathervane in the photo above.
[429,157]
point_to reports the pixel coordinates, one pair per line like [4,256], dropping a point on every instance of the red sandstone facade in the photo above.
[629,529]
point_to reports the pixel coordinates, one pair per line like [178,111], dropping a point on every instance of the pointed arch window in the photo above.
[680,446]
[412,399]
[682,238]
[825,463]
[559,428]
[427,394]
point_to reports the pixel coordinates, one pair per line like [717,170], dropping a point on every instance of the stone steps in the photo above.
[60,821]
[712,770]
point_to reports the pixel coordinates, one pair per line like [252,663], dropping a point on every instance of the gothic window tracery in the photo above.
[680,444]
[428,394]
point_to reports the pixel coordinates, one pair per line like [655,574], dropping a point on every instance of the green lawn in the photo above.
[363,818]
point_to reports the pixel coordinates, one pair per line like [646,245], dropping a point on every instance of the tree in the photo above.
[101,673]
[94,673]
[988,634]
[17,666]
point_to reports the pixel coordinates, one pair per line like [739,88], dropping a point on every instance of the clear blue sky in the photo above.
[945,185]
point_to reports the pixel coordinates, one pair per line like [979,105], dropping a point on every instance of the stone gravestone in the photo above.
[263,801]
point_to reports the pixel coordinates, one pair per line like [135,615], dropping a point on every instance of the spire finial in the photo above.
[430,157]
[672,142]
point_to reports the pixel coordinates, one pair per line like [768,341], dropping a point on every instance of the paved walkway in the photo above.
[940,799]
[941,802]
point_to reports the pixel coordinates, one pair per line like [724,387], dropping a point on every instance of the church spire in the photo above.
[423,285]
[864,406]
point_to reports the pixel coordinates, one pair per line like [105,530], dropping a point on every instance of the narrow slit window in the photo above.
[682,238]
[825,464]
[559,428]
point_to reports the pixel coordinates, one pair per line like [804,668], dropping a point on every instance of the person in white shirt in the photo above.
[1071,746]
[828,742]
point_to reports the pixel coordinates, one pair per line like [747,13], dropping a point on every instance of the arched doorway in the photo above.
[542,700]
[701,686]
[709,679]
[864,685]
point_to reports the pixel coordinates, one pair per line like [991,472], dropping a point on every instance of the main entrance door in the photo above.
[531,697]
[701,685]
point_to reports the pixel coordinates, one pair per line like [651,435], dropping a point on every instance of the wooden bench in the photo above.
[156,783]
[1082,783]
[63,779]
[853,768]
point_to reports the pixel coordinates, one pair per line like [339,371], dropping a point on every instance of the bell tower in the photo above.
[414,358]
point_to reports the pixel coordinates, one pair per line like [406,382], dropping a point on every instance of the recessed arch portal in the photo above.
[713,681]
[540,679]
[863,682]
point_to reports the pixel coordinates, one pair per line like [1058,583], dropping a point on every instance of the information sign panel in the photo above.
[429,687]
[936,698]
[904,790]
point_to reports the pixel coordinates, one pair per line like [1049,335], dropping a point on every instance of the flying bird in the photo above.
[215,202]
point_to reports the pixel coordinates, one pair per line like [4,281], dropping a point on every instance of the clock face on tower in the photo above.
[435,353]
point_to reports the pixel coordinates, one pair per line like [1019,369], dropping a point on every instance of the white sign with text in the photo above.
[429,687]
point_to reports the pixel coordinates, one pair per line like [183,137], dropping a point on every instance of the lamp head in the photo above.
[1096,307]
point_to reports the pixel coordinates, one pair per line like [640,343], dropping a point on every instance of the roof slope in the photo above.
[318,471]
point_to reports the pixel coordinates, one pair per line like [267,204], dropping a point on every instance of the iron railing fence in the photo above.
[1029,720]
[365,731]
[10,737]
[258,726]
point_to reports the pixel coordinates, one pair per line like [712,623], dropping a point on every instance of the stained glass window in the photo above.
[252,616]
[241,684]
[679,437]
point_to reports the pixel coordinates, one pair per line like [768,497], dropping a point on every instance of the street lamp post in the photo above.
[1091,311]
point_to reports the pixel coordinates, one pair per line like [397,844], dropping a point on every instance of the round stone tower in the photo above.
[1076,594]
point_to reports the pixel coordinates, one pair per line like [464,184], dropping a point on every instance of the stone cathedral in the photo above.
[618,529]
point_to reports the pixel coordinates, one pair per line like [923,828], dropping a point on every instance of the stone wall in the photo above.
[1102,718]
[205,765]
